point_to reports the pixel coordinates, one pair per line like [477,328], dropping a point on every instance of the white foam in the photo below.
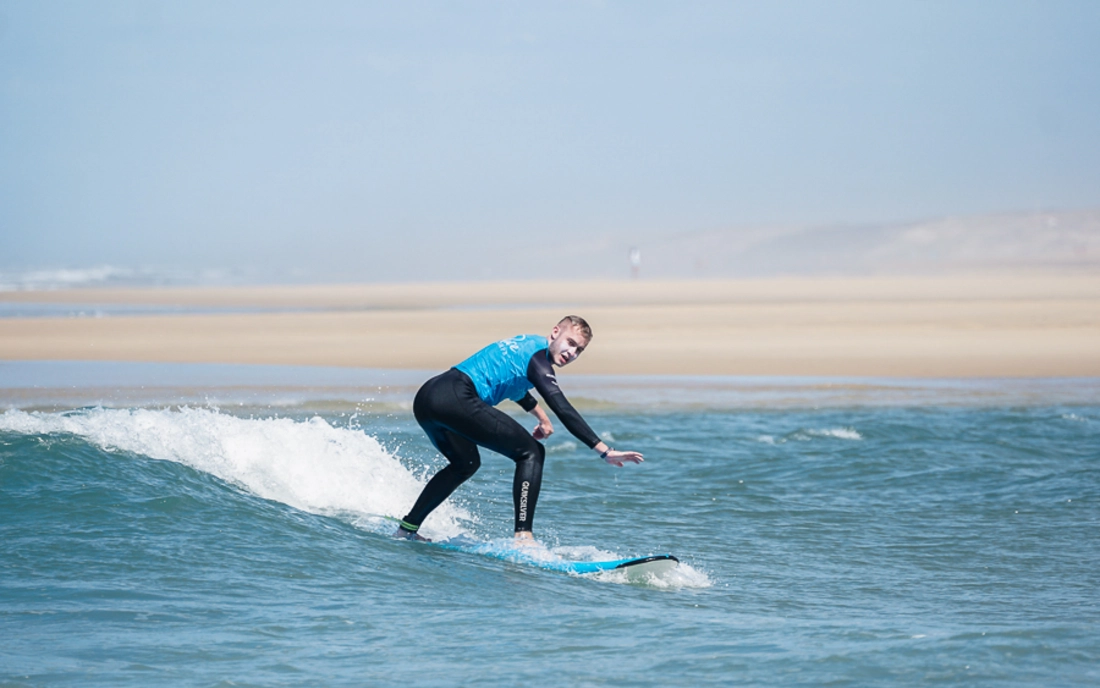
[583,553]
[681,576]
[837,433]
[61,278]
[562,446]
[308,465]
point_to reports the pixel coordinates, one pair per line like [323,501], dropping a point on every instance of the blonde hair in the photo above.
[580,324]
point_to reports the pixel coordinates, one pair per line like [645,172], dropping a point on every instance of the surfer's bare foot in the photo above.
[410,535]
[525,538]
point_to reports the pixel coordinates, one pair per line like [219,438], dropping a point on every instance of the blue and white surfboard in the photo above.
[635,568]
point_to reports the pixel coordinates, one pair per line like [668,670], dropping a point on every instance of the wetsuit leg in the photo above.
[457,421]
[464,461]
[525,488]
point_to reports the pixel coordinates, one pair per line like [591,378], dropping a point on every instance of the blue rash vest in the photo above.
[499,371]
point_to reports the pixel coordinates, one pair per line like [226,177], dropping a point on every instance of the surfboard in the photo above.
[635,568]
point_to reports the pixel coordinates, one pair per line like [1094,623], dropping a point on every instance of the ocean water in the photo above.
[831,533]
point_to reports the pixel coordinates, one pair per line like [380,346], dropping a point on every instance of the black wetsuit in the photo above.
[458,420]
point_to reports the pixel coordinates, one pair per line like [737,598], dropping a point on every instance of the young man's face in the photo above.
[565,344]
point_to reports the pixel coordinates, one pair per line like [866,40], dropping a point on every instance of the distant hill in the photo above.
[1060,241]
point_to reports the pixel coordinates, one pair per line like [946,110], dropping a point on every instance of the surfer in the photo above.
[456,410]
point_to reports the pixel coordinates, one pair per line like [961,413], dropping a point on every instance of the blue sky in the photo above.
[419,140]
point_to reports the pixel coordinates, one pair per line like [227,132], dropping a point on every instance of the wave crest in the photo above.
[309,465]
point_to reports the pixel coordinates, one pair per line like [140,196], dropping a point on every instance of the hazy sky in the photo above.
[411,140]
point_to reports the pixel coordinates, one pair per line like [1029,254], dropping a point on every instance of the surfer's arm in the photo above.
[545,428]
[541,375]
[576,425]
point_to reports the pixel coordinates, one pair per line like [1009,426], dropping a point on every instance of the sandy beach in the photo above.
[977,326]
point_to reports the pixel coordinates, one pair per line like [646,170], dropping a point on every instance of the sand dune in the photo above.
[998,325]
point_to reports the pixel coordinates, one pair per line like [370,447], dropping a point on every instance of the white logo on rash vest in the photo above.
[523,501]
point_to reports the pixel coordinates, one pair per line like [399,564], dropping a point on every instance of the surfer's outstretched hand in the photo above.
[618,458]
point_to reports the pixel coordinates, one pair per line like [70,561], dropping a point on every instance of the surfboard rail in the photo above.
[636,568]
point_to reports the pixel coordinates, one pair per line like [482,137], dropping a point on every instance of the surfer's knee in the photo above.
[467,467]
[535,452]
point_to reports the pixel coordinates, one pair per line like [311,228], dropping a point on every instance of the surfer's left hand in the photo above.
[543,430]
[618,458]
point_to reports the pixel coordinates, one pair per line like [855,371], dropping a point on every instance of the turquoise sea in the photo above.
[224,526]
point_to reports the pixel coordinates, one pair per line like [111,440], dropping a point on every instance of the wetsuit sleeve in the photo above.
[527,402]
[541,374]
